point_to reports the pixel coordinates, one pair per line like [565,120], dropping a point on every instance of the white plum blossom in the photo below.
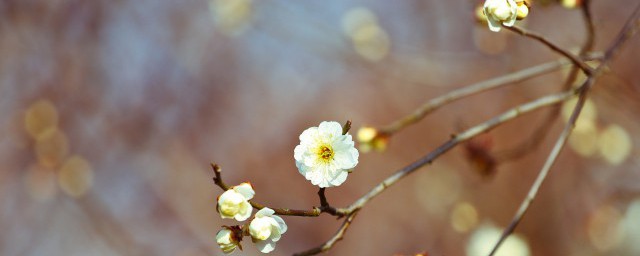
[234,203]
[228,239]
[325,156]
[266,229]
[500,11]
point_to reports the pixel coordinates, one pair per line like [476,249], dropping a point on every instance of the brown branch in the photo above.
[315,212]
[472,89]
[217,179]
[573,58]
[333,240]
[540,133]
[351,211]
[455,140]
[545,168]
[346,127]
[630,28]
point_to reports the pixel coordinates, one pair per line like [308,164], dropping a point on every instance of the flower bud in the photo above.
[234,203]
[266,229]
[228,238]
[499,12]
[372,139]
[570,4]
[523,12]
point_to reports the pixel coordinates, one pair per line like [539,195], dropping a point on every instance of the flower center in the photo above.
[325,152]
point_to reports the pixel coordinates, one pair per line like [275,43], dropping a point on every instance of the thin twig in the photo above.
[333,240]
[630,28]
[427,159]
[315,212]
[455,140]
[472,89]
[545,168]
[540,133]
[575,59]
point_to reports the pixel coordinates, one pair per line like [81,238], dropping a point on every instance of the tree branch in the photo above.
[315,212]
[540,133]
[472,89]
[455,140]
[629,29]
[576,61]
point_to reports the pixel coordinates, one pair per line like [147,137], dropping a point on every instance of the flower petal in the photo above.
[265,246]
[340,178]
[345,159]
[245,189]
[281,224]
[494,25]
[265,212]
[330,128]
[308,135]
[298,153]
[245,211]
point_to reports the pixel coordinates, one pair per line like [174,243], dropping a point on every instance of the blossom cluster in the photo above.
[325,156]
[265,228]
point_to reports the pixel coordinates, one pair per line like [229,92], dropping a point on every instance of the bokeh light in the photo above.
[75,176]
[615,144]
[486,235]
[604,229]
[40,118]
[464,217]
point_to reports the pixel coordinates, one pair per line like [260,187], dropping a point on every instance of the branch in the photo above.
[334,239]
[629,29]
[354,208]
[533,142]
[455,140]
[472,89]
[574,59]
[315,212]
[217,179]
[545,168]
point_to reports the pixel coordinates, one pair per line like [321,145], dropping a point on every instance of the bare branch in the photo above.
[354,208]
[575,59]
[545,168]
[455,140]
[472,89]
[540,133]
[315,212]
[629,29]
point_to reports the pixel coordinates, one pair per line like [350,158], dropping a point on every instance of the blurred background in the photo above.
[111,112]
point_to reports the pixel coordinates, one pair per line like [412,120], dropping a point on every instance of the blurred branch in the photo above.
[427,159]
[455,140]
[575,59]
[629,29]
[472,89]
[540,133]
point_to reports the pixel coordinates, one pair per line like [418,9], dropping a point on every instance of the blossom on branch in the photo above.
[371,138]
[266,229]
[234,203]
[228,238]
[325,155]
[499,12]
